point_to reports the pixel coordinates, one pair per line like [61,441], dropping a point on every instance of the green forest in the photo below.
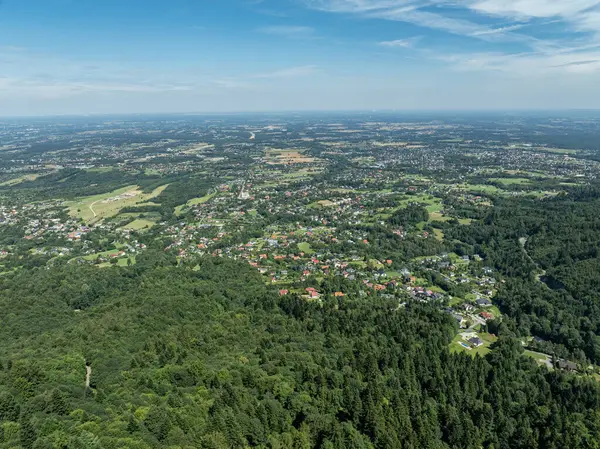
[549,253]
[207,356]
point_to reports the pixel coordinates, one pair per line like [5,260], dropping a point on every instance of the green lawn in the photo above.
[483,188]
[102,254]
[435,207]
[193,202]
[456,301]
[438,234]
[535,355]
[305,248]
[482,350]
[140,223]
[122,262]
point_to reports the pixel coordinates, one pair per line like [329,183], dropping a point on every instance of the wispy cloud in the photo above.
[24,74]
[295,32]
[527,9]
[11,48]
[500,30]
[51,89]
[291,72]
[524,64]
[401,43]
[516,22]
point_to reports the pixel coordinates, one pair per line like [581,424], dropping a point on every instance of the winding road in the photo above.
[541,271]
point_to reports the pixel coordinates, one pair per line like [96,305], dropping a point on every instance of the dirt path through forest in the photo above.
[88,375]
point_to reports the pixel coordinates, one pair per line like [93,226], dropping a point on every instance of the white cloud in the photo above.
[500,30]
[569,50]
[579,14]
[526,9]
[48,89]
[413,11]
[28,75]
[528,65]
[400,43]
[357,6]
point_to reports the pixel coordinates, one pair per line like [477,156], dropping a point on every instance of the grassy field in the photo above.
[193,202]
[140,223]
[199,148]
[438,234]
[482,350]
[19,180]
[299,174]
[320,204]
[286,157]
[457,140]
[511,181]
[93,209]
[121,262]
[305,248]
[102,254]
[536,355]
[100,169]
[483,188]
[557,150]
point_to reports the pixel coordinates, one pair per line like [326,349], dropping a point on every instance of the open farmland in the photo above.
[287,157]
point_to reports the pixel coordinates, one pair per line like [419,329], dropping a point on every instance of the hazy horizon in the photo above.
[308,112]
[87,57]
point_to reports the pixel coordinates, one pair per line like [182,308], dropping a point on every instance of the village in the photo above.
[318,211]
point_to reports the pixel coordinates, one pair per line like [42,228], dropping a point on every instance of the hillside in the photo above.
[209,357]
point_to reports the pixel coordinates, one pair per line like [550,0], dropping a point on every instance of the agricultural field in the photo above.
[511,181]
[287,157]
[20,179]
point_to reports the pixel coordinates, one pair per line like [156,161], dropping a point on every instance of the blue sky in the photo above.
[121,56]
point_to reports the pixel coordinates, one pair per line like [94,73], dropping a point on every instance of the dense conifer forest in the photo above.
[208,357]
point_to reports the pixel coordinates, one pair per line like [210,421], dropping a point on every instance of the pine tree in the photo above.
[57,403]
[27,433]
[9,408]
[132,425]
[157,422]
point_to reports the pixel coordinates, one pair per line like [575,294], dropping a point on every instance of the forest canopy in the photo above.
[208,356]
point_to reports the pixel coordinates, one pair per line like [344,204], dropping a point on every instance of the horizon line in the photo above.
[302,111]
